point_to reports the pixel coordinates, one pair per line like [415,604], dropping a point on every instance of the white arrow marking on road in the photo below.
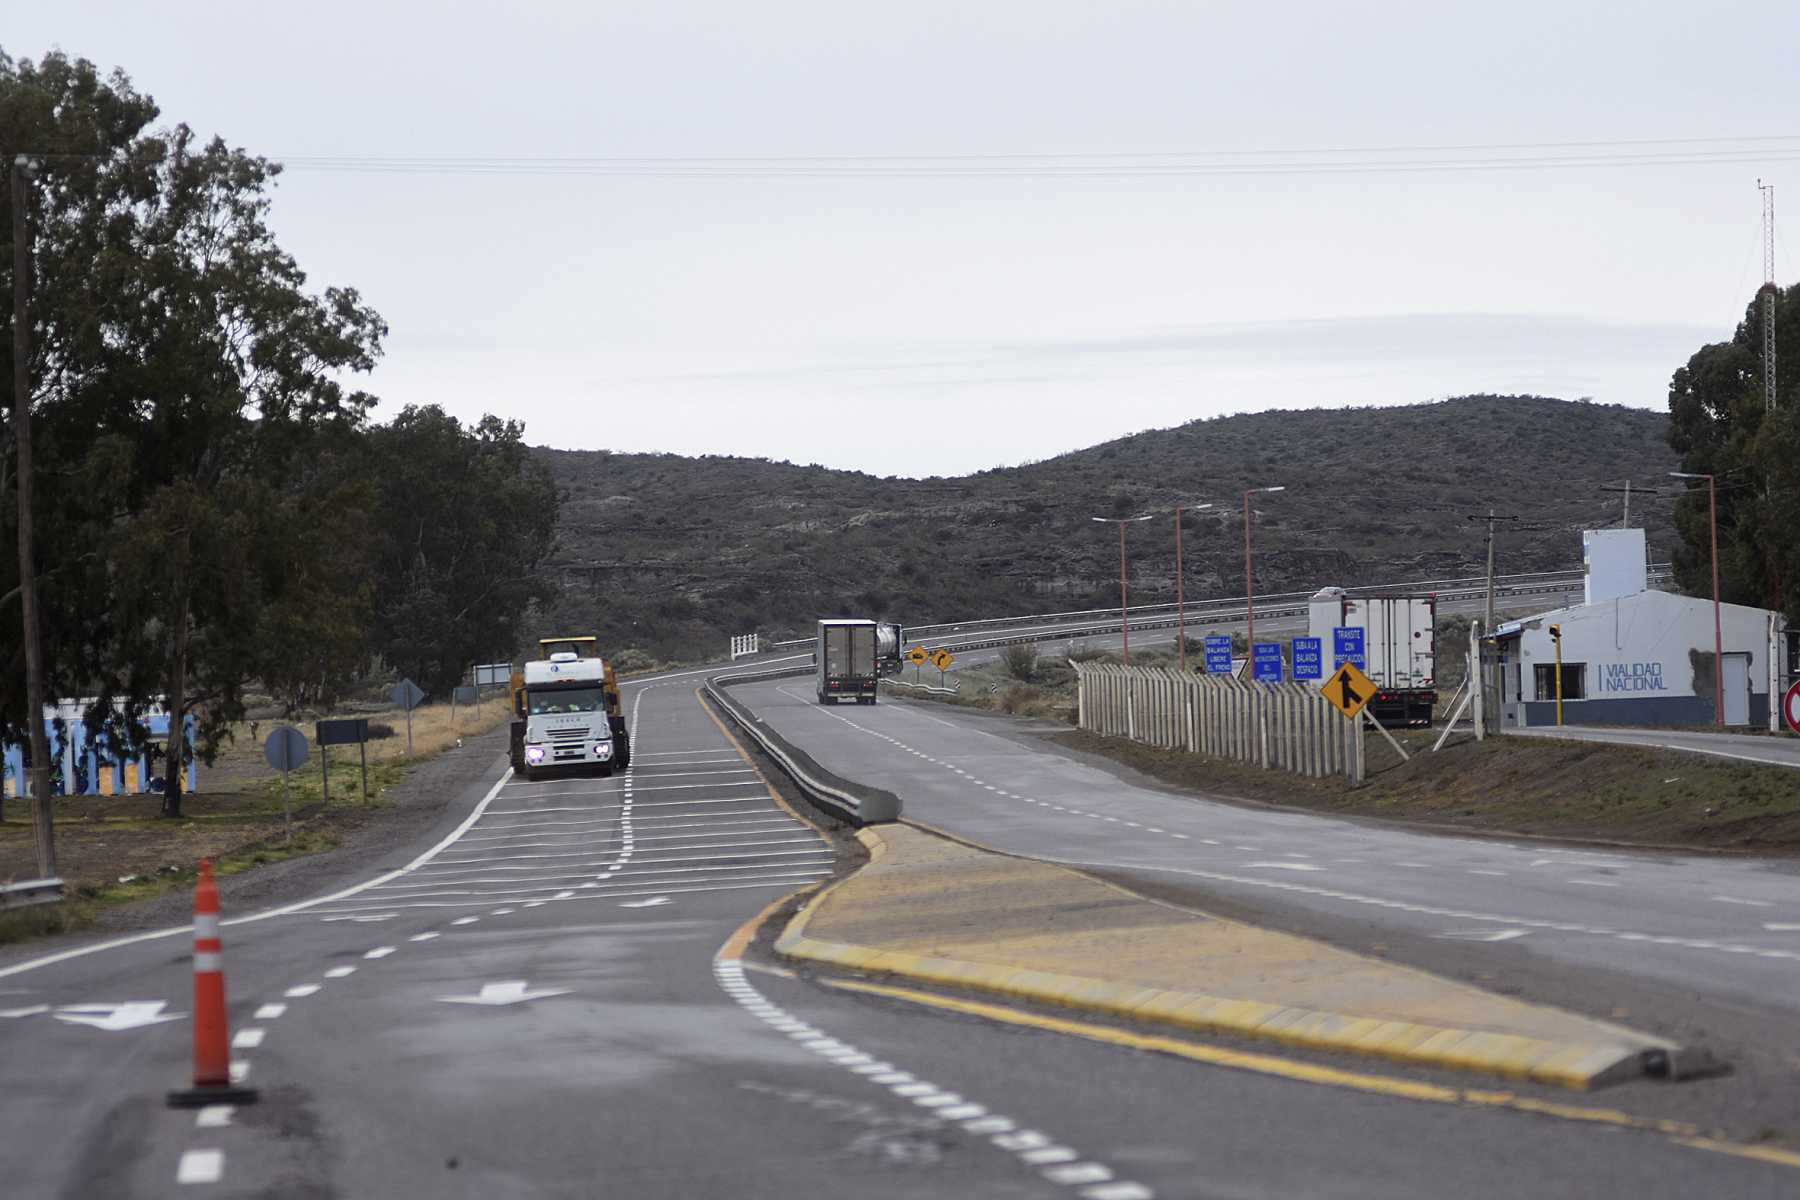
[33,1011]
[113,1017]
[652,902]
[510,991]
[1484,935]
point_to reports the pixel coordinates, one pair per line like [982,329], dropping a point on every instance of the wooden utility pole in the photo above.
[28,597]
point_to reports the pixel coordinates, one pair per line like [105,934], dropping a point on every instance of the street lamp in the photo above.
[1712,508]
[1249,578]
[1180,596]
[1124,621]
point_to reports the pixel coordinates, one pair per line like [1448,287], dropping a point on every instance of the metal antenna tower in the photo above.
[1769,291]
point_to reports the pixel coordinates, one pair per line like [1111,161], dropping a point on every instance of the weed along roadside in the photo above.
[117,851]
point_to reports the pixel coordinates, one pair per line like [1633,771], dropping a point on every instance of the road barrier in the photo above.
[854,802]
[30,891]
[1278,726]
[213,1083]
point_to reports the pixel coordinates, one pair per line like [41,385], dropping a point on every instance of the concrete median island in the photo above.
[936,911]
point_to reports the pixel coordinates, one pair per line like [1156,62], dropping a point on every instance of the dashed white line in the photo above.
[200,1166]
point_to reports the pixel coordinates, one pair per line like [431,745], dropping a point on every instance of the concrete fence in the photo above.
[1279,726]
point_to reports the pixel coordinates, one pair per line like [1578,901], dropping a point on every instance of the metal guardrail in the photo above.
[30,891]
[1083,622]
[855,802]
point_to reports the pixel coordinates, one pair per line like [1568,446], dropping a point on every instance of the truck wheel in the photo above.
[622,758]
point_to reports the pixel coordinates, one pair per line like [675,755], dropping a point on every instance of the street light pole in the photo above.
[1712,510]
[1180,594]
[1124,604]
[1249,576]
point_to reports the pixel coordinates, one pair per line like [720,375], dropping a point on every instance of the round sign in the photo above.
[285,748]
[1790,707]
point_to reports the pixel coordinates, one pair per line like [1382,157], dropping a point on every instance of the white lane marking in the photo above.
[786,879]
[340,972]
[1482,935]
[689,774]
[1751,903]
[1781,927]
[588,808]
[247,1039]
[200,1166]
[508,991]
[214,1116]
[115,1017]
[423,937]
[301,991]
[1478,872]
[652,902]
[549,873]
[380,952]
[465,920]
[1032,1148]
[29,1011]
[269,1012]
[1593,882]
[490,864]
[370,918]
[464,826]
[240,1069]
[1284,866]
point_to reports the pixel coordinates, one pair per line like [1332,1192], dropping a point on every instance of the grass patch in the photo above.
[1552,788]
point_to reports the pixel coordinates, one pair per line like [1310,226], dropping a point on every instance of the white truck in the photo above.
[566,719]
[845,661]
[1399,636]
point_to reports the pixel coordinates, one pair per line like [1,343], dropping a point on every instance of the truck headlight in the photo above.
[603,750]
[534,754]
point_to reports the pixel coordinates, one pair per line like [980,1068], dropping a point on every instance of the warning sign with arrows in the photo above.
[942,659]
[1349,689]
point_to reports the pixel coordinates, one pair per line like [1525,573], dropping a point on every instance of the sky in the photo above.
[940,237]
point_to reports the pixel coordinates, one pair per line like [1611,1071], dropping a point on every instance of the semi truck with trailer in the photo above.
[889,638]
[1399,636]
[567,711]
[845,661]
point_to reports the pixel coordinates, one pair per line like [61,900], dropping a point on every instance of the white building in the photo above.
[1631,656]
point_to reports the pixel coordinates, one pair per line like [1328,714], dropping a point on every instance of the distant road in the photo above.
[1780,751]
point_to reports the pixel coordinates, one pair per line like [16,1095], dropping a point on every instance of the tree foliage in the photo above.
[213,506]
[1721,424]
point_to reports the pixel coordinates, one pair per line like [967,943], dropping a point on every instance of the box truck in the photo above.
[1399,640]
[845,661]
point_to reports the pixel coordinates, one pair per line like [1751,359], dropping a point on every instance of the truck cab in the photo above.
[563,704]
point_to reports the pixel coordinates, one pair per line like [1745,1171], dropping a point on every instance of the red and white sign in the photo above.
[1790,707]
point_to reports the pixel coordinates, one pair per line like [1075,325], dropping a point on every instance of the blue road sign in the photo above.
[1309,658]
[1347,647]
[1218,655]
[1265,659]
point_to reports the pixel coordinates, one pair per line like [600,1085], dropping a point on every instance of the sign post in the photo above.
[345,732]
[407,695]
[1218,654]
[285,750]
[941,659]
[1309,658]
[1350,691]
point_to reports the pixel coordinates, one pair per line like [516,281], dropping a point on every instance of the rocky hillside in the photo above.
[666,556]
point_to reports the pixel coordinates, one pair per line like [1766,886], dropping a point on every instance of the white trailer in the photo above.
[1399,636]
[845,661]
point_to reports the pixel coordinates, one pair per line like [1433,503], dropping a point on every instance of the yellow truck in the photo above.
[567,711]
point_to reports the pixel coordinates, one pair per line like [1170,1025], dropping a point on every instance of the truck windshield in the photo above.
[565,700]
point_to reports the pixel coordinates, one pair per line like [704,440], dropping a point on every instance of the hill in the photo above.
[666,556]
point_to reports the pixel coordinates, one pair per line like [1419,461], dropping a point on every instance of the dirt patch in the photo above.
[1553,788]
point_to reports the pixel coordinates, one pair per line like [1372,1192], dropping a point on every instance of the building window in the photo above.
[1574,681]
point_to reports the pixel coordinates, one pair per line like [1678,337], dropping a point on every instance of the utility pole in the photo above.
[28,597]
[1769,291]
[1491,520]
[1625,520]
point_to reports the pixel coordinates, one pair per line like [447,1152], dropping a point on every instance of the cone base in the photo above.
[222,1093]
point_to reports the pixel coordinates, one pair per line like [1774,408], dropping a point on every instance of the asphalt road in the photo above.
[530,1004]
[1661,935]
[1778,751]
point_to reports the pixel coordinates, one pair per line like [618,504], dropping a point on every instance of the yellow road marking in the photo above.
[740,939]
[1681,1132]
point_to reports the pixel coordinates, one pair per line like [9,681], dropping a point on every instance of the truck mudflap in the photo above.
[1405,708]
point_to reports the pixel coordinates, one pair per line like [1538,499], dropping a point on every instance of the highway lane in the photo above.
[615,1055]
[1694,926]
[1781,751]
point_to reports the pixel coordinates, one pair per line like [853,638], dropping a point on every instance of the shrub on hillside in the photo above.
[1021,662]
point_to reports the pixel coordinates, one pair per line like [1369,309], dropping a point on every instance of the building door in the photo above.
[1737,689]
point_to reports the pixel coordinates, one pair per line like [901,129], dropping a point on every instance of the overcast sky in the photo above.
[1036,280]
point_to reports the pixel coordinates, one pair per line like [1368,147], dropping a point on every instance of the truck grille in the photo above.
[568,743]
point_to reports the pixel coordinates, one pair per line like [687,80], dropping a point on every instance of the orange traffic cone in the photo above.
[212,1038]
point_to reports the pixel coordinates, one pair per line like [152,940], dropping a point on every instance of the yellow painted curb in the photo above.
[1578,1065]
